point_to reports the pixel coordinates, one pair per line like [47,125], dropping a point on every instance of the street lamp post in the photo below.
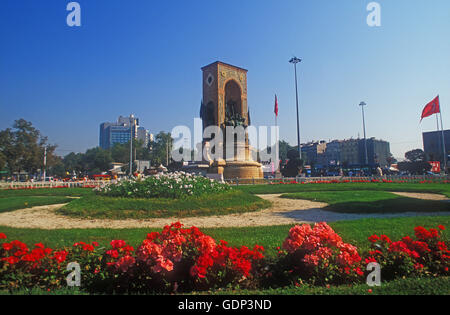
[294,61]
[131,148]
[362,104]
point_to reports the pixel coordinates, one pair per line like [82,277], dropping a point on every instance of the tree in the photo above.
[284,148]
[22,148]
[2,161]
[294,166]
[96,160]
[161,148]
[416,163]
[416,155]
[391,160]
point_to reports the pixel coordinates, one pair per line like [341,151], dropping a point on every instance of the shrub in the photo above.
[176,259]
[173,185]
[426,255]
[186,260]
[317,255]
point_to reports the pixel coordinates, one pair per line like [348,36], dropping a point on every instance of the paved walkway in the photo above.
[282,212]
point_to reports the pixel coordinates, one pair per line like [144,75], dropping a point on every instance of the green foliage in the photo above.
[172,185]
[416,155]
[294,166]
[22,148]
[416,163]
[161,148]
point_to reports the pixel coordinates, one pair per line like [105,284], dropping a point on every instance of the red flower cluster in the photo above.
[162,251]
[86,247]
[121,256]
[426,252]
[17,252]
[223,257]
[322,247]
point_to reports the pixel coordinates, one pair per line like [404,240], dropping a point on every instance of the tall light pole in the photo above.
[45,162]
[362,104]
[131,146]
[294,61]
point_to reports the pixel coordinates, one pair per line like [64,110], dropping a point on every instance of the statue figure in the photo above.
[232,118]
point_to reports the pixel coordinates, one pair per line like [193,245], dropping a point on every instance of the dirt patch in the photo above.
[282,212]
[423,196]
[44,217]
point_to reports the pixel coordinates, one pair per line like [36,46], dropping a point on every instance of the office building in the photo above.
[120,132]
[432,145]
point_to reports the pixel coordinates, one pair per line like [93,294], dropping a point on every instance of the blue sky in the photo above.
[144,57]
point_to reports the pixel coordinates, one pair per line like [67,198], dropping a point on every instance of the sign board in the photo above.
[435,166]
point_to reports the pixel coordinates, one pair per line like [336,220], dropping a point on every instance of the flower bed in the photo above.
[426,254]
[173,185]
[319,256]
[186,260]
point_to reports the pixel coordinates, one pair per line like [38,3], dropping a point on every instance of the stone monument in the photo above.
[225,104]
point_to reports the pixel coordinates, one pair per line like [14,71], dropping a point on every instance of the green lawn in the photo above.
[11,200]
[355,232]
[411,286]
[425,286]
[402,187]
[130,208]
[366,201]
[21,202]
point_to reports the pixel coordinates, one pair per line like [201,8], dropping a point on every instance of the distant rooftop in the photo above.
[225,64]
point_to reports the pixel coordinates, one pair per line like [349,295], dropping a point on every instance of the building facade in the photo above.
[349,153]
[432,145]
[314,152]
[121,132]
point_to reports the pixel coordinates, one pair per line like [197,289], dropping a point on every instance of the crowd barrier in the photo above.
[306,180]
[55,184]
[247,181]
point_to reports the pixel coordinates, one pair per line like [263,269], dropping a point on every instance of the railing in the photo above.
[240,181]
[57,184]
[306,180]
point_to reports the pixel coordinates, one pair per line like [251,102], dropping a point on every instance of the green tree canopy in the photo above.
[22,148]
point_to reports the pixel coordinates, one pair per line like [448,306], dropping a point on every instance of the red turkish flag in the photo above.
[431,108]
[276,106]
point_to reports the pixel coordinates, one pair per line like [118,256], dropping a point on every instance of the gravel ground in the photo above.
[283,211]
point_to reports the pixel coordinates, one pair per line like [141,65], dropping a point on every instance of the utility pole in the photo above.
[443,144]
[131,148]
[167,153]
[362,104]
[294,61]
[45,162]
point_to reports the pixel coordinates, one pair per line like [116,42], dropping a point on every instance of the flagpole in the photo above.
[276,133]
[443,143]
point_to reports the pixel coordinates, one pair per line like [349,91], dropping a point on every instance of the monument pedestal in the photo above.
[243,170]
